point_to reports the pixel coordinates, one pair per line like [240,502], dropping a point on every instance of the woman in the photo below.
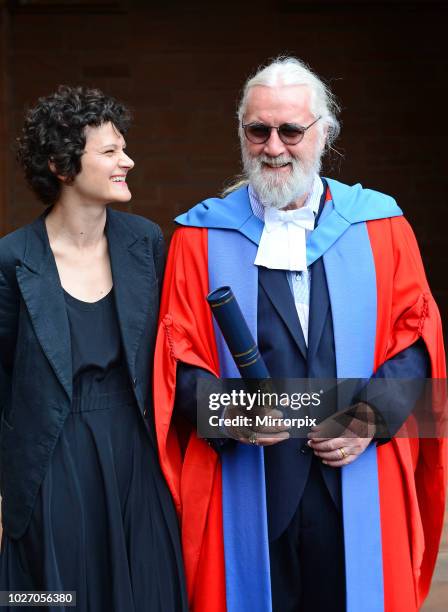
[85,507]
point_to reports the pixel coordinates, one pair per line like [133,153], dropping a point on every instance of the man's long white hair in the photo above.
[292,71]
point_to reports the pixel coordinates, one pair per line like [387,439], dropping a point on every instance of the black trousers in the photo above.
[307,560]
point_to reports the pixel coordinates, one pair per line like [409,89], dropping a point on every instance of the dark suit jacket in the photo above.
[35,351]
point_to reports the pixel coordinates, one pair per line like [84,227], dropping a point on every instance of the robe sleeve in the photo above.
[190,466]
[407,312]
[185,334]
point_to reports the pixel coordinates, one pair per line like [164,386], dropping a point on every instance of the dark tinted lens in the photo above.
[257,132]
[290,134]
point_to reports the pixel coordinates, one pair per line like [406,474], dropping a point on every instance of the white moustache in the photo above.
[276,162]
[278,189]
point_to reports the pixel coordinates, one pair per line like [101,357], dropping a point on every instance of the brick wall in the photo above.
[4,123]
[181,65]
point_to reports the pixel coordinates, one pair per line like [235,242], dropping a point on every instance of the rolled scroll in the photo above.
[236,333]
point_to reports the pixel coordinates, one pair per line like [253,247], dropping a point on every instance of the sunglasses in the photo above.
[289,133]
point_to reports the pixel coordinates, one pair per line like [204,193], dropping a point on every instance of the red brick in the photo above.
[181,67]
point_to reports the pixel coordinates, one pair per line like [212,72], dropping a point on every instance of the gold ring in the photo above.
[343,453]
[253,438]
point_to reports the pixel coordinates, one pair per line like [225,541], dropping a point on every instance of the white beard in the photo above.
[274,189]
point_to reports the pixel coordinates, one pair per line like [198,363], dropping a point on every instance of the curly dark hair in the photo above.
[54,130]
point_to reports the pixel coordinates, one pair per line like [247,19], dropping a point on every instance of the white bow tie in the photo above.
[302,217]
[283,241]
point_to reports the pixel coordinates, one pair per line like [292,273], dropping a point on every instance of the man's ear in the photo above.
[325,134]
[323,140]
[52,167]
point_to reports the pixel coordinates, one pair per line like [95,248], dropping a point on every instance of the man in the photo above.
[331,283]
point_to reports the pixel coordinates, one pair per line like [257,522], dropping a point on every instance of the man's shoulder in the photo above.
[354,190]
[228,212]
[188,236]
[356,203]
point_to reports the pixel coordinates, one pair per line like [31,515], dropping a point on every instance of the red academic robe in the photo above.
[412,472]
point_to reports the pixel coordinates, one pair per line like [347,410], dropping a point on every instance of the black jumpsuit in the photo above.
[104,524]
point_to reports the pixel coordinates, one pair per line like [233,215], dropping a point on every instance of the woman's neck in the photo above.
[81,227]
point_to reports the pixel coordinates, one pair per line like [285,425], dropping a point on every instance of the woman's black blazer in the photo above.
[35,352]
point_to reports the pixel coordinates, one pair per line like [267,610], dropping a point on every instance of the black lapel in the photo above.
[319,306]
[319,298]
[277,288]
[42,292]
[134,282]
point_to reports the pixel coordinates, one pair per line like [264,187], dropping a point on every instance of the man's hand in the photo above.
[340,439]
[261,435]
